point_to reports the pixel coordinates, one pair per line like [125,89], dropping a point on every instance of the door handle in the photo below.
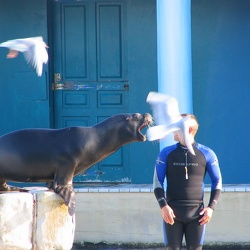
[57,86]
[57,77]
[65,85]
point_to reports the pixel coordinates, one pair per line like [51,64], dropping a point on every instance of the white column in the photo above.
[174,54]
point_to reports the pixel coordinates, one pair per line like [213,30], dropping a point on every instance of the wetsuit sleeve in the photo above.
[213,170]
[158,180]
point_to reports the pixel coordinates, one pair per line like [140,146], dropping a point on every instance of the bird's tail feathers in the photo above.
[159,132]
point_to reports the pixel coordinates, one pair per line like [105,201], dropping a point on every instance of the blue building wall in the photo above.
[28,99]
[220,77]
[221,89]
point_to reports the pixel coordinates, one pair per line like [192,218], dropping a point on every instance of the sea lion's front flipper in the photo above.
[68,194]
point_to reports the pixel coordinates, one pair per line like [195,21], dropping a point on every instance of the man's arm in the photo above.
[216,186]
[216,180]
[158,189]
[158,185]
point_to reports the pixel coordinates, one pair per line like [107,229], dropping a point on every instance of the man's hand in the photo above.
[168,214]
[207,213]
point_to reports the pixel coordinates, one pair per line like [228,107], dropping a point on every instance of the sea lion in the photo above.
[55,156]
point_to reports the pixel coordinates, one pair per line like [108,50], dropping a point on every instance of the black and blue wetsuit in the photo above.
[184,175]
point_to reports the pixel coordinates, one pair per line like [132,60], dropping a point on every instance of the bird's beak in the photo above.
[46,46]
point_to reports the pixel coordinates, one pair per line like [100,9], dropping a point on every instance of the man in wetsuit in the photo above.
[182,207]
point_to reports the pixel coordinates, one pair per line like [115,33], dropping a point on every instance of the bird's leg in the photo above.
[12,53]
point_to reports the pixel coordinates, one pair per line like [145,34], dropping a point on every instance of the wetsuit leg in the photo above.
[173,235]
[194,235]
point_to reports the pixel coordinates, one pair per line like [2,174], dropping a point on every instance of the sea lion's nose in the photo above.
[148,118]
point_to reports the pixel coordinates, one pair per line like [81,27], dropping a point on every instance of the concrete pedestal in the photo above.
[37,220]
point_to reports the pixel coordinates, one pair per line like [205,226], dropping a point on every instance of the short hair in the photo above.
[195,127]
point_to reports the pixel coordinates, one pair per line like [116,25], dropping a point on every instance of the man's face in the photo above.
[177,135]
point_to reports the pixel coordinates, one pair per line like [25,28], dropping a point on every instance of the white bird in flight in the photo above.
[168,119]
[33,48]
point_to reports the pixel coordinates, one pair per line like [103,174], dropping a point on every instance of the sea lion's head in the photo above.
[136,123]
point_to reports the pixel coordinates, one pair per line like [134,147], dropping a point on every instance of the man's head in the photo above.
[192,129]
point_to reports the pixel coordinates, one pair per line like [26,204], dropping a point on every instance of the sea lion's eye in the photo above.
[137,115]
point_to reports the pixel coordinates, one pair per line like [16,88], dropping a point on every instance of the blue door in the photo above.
[24,97]
[90,78]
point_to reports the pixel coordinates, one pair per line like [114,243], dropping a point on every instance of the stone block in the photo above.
[16,221]
[54,226]
[36,220]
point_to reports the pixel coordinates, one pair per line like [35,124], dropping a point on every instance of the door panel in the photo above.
[89,66]
[74,41]
[109,41]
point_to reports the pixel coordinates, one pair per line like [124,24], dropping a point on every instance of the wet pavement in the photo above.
[102,246]
[114,248]
[162,248]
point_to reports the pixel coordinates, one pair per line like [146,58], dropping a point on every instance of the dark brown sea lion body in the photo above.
[55,156]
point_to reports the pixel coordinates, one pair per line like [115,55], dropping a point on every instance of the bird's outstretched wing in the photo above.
[33,48]
[168,119]
[165,108]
